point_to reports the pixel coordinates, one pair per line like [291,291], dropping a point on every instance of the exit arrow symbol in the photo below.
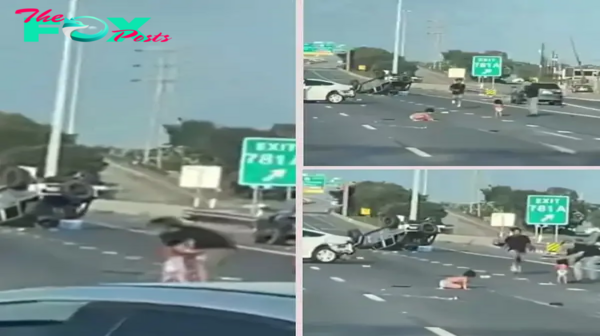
[548,217]
[275,174]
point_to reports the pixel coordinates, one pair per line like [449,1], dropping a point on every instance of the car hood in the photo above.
[337,240]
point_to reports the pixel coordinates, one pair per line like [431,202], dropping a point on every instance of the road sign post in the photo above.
[313,183]
[486,66]
[548,210]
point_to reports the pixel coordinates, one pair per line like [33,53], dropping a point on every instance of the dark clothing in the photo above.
[517,243]
[532,91]
[457,88]
[588,251]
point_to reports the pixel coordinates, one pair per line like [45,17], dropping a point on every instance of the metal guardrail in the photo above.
[219,216]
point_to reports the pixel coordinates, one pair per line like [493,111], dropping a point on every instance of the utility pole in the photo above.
[165,77]
[60,99]
[435,29]
[542,61]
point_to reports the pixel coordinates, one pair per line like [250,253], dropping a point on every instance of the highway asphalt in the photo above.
[377,131]
[96,254]
[386,293]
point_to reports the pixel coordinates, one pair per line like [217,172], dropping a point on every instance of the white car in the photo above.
[322,90]
[318,246]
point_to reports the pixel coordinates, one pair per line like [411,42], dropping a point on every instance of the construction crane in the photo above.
[583,79]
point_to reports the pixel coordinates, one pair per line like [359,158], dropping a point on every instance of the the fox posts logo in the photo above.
[43,24]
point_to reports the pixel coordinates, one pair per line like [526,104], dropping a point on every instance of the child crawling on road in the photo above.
[457,282]
[562,271]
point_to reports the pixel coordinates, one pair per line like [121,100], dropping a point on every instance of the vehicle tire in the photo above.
[15,178]
[335,98]
[324,255]
[77,190]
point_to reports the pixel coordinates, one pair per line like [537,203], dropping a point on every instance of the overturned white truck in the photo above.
[25,202]
[396,235]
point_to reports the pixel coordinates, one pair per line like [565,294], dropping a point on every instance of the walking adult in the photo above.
[532,93]
[517,245]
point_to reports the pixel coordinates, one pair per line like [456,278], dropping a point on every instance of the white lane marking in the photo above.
[369,127]
[508,120]
[522,279]
[541,303]
[564,132]
[439,331]
[480,271]
[343,114]
[546,284]
[444,112]
[559,148]
[486,117]
[469,113]
[462,267]
[576,289]
[418,152]
[532,126]
[327,106]
[560,135]
[497,274]
[242,247]
[447,265]
[87,248]
[314,268]
[110,252]
[522,108]
[596,138]
[485,276]
[336,279]
[68,243]
[435,262]
[133,257]
[373,297]
[366,266]
[583,107]
[360,258]
[230,279]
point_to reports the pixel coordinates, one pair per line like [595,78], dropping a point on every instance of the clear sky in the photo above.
[236,65]
[458,185]
[517,27]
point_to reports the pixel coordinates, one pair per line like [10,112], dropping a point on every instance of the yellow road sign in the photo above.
[365,212]
[490,92]
[553,247]
[362,67]
[313,191]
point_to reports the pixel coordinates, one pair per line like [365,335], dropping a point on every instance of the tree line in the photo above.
[23,141]
[389,199]
[385,199]
[375,60]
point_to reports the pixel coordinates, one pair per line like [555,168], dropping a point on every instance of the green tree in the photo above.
[507,199]
[376,59]
[24,142]
[389,199]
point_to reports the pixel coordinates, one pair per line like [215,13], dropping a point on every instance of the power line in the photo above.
[435,29]
[165,78]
